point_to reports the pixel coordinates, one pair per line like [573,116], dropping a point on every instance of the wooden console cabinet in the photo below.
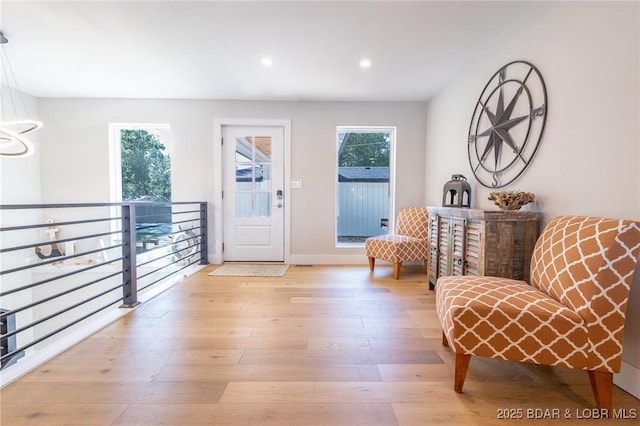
[478,242]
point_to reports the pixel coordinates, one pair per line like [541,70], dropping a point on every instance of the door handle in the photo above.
[279,194]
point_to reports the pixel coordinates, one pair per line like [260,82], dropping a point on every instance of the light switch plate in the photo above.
[296,184]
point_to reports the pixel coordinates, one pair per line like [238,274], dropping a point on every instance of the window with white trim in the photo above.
[364,189]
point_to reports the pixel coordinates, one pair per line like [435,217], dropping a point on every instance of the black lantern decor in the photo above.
[457,192]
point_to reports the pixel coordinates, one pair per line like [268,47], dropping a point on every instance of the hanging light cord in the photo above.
[7,70]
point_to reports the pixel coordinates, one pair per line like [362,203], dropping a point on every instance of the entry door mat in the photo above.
[250,270]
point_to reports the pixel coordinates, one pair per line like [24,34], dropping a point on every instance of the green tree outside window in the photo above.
[364,149]
[146,168]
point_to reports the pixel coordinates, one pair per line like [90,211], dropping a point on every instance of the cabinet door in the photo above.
[434,243]
[458,244]
[473,248]
[444,268]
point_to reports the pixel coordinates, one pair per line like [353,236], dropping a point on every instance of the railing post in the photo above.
[203,234]
[129,269]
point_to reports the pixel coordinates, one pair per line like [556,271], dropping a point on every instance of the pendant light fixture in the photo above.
[14,121]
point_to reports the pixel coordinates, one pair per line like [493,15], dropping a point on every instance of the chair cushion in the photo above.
[561,268]
[397,248]
[413,222]
[509,319]
[587,264]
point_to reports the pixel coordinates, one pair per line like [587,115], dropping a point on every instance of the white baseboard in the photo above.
[316,259]
[628,379]
[337,259]
[330,259]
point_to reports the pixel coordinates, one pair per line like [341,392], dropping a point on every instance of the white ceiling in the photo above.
[213,49]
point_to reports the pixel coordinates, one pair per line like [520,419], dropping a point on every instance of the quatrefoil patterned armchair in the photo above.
[410,241]
[572,314]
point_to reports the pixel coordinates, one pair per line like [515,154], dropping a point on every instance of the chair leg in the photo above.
[462,365]
[372,263]
[602,386]
[426,266]
[444,340]
[396,270]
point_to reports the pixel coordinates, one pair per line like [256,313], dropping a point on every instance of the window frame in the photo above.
[115,161]
[392,130]
[115,151]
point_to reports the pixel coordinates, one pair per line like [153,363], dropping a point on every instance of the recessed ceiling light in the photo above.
[266,61]
[365,63]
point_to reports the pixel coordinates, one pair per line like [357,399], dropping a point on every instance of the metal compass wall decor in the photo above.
[507,124]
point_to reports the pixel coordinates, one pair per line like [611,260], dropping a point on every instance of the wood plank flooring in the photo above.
[323,345]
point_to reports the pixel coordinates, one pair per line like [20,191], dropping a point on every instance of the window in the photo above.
[253,176]
[141,171]
[364,183]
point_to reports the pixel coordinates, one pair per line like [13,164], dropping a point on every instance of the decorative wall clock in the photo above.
[507,124]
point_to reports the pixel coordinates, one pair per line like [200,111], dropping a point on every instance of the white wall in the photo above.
[77,151]
[589,159]
[588,56]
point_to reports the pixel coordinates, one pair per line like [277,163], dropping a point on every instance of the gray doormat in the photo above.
[249,270]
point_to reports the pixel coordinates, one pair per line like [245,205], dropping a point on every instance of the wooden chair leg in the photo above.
[602,386]
[462,365]
[372,263]
[396,270]
[444,340]
[426,266]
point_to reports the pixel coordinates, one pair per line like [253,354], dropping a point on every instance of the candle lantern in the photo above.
[457,192]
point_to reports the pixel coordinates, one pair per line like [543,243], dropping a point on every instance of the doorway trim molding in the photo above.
[216,211]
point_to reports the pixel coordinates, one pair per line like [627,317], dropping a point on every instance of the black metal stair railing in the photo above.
[107,255]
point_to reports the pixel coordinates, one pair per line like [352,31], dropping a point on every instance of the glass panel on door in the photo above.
[253,176]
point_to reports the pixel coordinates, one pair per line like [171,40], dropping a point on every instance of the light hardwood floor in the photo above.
[320,346]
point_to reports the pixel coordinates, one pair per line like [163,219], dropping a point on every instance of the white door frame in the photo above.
[216,211]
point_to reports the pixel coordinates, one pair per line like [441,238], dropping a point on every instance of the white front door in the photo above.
[253,198]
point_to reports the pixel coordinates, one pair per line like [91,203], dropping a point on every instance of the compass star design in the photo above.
[498,124]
